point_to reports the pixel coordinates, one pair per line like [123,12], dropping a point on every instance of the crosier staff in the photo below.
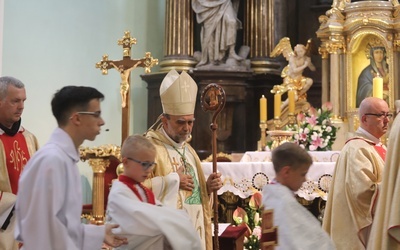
[213,99]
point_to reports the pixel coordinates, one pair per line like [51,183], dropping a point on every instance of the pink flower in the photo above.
[317,141]
[240,216]
[327,106]
[255,201]
[300,117]
[303,137]
[312,120]
[313,112]
[257,232]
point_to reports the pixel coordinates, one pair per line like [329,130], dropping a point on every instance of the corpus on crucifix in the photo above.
[125,73]
[124,67]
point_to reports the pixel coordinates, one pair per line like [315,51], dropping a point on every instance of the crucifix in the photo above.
[124,67]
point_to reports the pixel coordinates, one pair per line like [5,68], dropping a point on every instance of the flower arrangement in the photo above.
[251,217]
[314,129]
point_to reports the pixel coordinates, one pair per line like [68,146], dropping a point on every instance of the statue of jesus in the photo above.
[124,73]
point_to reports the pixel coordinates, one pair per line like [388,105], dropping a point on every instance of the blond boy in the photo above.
[143,220]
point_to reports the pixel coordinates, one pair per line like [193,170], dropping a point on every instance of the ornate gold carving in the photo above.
[127,41]
[323,52]
[220,157]
[279,137]
[336,43]
[99,165]
[102,151]
[149,62]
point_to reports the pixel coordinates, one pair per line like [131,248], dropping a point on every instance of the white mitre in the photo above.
[178,93]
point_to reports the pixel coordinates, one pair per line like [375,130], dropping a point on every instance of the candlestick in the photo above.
[277,105]
[263,109]
[377,87]
[291,101]
[262,141]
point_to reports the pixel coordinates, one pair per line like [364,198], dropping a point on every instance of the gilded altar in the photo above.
[352,35]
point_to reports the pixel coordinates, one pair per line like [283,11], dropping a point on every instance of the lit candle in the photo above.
[291,101]
[277,106]
[377,87]
[263,109]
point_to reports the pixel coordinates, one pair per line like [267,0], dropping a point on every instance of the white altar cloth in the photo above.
[246,178]
[263,156]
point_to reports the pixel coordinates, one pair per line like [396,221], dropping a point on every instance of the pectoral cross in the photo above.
[175,163]
[124,67]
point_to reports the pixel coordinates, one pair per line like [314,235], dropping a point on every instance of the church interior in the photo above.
[50,44]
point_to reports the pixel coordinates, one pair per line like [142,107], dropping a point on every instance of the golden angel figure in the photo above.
[298,60]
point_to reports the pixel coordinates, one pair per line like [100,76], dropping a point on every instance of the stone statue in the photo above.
[292,74]
[218,32]
[124,73]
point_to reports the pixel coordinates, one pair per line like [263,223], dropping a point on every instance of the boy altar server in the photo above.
[297,227]
[142,219]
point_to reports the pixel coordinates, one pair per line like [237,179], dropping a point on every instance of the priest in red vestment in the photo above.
[16,147]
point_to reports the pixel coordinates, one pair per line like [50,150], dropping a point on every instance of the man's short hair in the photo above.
[290,154]
[72,98]
[6,81]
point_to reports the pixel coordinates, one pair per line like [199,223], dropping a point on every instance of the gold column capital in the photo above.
[336,43]
[323,52]
[99,165]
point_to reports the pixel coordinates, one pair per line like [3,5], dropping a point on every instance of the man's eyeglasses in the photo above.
[145,164]
[381,115]
[96,114]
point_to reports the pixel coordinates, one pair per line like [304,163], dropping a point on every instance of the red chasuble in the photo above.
[131,184]
[16,155]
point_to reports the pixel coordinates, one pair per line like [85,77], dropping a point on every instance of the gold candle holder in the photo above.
[292,119]
[263,140]
[336,119]
[279,137]
[277,123]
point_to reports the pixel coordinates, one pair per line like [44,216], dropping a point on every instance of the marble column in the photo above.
[178,41]
[264,24]
[325,74]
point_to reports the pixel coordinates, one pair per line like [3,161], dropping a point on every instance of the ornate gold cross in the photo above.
[124,67]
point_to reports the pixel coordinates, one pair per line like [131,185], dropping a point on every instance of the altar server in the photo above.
[49,200]
[358,173]
[297,228]
[143,220]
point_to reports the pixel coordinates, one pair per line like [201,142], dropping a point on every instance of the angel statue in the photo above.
[292,74]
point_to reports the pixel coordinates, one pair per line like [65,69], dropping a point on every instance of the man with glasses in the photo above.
[358,173]
[146,223]
[49,202]
[17,145]
[178,180]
